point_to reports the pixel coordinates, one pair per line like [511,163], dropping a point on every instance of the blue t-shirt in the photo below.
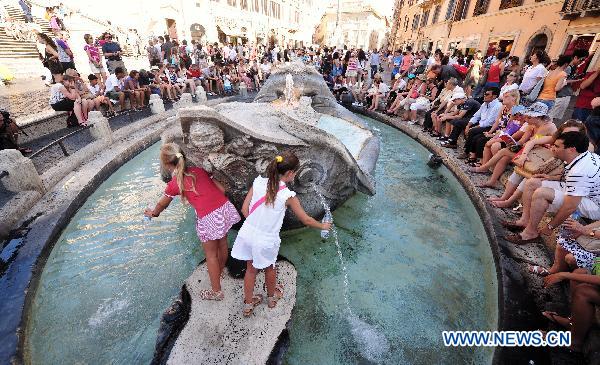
[111,47]
[397,61]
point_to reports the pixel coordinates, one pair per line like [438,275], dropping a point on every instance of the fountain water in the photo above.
[372,343]
[289,89]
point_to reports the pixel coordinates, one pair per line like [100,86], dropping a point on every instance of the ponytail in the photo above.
[286,161]
[171,154]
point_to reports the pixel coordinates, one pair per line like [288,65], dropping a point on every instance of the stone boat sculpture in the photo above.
[294,111]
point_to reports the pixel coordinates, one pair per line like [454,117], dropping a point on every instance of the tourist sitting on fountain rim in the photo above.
[580,190]
[215,213]
[585,297]
[465,109]
[258,240]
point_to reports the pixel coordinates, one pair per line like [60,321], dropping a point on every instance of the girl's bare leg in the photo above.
[211,252]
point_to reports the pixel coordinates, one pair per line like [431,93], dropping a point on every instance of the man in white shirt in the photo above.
[578,190]
[531,77]
[113,89]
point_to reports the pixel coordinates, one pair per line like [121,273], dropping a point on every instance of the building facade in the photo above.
[516,26]
[356,24]
[282,22]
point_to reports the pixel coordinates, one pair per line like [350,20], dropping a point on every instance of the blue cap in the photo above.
[411,76]
[517,109]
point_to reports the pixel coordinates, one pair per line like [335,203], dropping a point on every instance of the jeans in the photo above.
[374,70]
[458,126]
[581,114]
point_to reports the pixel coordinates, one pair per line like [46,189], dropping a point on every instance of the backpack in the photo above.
[462,70]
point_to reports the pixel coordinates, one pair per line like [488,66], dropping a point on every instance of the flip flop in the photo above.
[538,270]
[517,239]
[249,307]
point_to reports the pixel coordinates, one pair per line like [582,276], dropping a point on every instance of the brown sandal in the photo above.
[209,294]
[249,307]
[278,294]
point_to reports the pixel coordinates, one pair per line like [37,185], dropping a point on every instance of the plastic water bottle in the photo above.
[576,215]
[146,218]
[326,219]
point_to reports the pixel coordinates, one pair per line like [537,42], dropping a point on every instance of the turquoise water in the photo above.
[417,260]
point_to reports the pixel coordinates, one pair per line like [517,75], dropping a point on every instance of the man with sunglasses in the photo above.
[112,52]
[578,190]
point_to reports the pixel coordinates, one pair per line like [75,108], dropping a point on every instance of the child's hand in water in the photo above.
[149,212]
[326,226]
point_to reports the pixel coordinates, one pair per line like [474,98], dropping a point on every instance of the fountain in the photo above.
[294,110]
[377,293]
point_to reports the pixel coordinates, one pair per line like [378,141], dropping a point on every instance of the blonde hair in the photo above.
[171,154]
[515,94]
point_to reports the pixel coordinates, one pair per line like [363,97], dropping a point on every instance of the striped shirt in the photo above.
[582,177]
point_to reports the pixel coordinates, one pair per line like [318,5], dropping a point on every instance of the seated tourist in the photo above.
[585,298]
[580,190]
[160,79]
[398,86]
[65,97]
[439,105]
[339,87]
[476,142]
[9,134]
[113,87]
[538,125]
[423,102]
[481,121]
[97,92]
[459,107]
[134,91]
[378,92]
[418,88]
[178,84]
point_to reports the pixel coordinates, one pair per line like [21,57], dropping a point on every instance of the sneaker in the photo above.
[412,122]
[356,103]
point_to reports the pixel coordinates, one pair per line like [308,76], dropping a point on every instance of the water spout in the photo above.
[372,343]
[289,89]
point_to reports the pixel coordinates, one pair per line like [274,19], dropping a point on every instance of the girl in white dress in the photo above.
[258,240]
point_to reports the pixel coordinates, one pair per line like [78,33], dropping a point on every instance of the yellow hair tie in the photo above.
[278,159]
[178,155]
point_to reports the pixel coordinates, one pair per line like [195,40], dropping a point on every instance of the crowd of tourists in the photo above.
[507,117]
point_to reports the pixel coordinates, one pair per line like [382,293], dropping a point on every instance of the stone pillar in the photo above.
[100,127]
[200,95]
[157,105]
[22,175]
[243,90]
[184,100]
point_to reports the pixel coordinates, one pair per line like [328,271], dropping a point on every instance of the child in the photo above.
[258,240]
[215,213]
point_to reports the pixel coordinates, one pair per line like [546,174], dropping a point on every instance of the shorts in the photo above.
[252,244]
[113,95]
[560,107]
[351,73]
[586,207]
[96,70]
[217,223]
[65,105]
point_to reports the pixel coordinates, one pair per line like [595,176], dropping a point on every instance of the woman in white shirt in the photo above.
[534,73]
[510,84]
[64,97]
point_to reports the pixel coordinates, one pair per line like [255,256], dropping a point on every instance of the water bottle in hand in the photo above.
[326,219]
[146,218]
[576,215]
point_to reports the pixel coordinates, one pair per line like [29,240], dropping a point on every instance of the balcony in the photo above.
[580,8]
[507,4]
[481,7]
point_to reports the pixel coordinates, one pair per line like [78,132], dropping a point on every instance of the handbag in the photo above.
[590,244]
[535,92]
[540,160]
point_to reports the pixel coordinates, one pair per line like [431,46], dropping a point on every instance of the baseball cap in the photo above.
[458,95]
[397,76]
[411,76]
[537,109]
